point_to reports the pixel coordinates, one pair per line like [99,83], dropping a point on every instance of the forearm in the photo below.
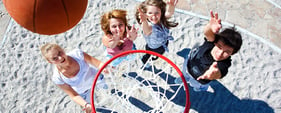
[79,100]
[92,60]
[72,94]
[97,63]
[146,28]
[209,34]
[170,11]
[87,108]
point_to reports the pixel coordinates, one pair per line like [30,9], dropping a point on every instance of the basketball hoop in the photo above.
[137,87]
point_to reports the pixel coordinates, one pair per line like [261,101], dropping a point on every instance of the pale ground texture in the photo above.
[251,86]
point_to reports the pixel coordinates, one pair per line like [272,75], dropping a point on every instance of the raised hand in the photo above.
[147,29]
[142,16]
[215,22]
[111,40]
[212,73]
[115,36]
[172,2]
[171,8]
[132,33]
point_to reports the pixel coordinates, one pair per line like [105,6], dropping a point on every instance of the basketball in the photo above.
[46,17]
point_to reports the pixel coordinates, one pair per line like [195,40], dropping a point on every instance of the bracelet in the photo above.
[86,105]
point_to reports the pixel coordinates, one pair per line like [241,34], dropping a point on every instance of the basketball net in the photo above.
[134,87]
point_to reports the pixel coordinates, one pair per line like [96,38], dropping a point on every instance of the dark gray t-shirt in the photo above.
[200,59]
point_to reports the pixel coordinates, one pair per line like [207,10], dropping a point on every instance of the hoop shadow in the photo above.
[177,100]
[222,100]
[138,103]
[142,105]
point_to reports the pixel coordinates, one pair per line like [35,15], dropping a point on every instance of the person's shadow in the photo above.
[219,101]
[222,100]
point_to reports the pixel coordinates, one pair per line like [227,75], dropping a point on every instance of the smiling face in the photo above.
[221,51]
[56,56]
[154,14]
[116,26]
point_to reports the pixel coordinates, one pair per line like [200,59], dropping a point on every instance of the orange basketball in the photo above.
[46,16]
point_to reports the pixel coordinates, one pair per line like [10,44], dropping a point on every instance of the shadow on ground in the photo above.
[220,101]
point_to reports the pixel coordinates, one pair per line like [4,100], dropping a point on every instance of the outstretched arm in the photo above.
[212,27]
[171,8]
[76,97]
[212,73]
[147,29]
[92,60]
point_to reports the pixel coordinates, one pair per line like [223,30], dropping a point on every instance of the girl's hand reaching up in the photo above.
[172,2]
[142,16]
[132,33]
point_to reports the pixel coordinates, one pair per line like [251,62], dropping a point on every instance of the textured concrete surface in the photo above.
[260,17]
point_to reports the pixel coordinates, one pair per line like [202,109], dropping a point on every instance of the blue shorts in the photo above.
[192,82]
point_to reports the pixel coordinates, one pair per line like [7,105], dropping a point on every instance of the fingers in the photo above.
[214,65]
[127,29]
[172,2]
[211,14]
[175,2]
[140,11]
[219,21]
[133,28]
[202,77]
[215,22]
[211,73]
[142,15]
[216,15]
[132,33]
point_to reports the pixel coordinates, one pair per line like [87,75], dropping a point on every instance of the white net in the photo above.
[136,87]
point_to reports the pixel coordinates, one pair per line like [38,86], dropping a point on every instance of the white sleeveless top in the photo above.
[83,80]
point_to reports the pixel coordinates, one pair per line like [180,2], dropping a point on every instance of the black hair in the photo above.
[230,37]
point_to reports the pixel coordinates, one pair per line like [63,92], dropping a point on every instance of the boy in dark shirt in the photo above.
[212,59]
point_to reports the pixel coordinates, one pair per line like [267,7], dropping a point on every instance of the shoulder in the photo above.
[206,45]
[207,41]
